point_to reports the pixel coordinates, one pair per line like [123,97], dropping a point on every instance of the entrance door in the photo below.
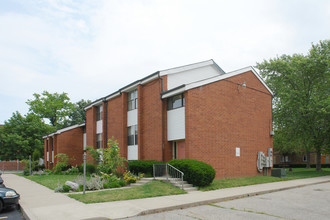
[175,150]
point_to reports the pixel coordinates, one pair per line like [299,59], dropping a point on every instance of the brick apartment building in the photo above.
[195,111]
[69,141]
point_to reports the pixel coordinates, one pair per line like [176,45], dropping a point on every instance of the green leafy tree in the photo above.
[301,100]
[77,114]
[22,135]
[55,107]
[110,157]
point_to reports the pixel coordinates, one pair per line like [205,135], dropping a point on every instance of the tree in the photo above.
[77,114]
[301,99]
[55,107]
[22,135]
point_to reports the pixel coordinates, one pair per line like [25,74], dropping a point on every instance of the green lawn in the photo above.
[151,189]
[297,173]
[51,181]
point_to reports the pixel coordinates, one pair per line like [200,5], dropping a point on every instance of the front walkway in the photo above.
[39,202]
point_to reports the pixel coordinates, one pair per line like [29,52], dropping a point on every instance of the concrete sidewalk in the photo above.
[39,202]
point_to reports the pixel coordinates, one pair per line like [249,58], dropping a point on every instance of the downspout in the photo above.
[163,120]
[106,119]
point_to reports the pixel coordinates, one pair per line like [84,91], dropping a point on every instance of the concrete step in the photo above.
[190,189]
[178,183]
[141,181]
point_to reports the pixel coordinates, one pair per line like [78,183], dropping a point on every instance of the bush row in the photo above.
[142,166]
[326,165]
[195,172]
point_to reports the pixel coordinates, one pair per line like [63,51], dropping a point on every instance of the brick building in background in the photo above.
[69,141]
[196,111]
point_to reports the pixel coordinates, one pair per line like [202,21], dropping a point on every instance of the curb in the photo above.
[206,202]
[24,213]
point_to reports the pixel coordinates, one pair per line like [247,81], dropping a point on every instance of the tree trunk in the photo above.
[308,165]
[318,160]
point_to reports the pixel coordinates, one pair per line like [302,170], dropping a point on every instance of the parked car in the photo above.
[8,197]
[1,182]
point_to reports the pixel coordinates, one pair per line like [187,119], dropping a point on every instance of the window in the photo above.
[99,111]
[176,101]
[47,144]
[132,135]
[132,100]
[305,158]
[98,141]
[284,159]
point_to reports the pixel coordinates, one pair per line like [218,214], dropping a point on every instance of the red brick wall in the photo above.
[91,130]
[222,116]
[117,121]
[150,121]
[11,165]
[71,143]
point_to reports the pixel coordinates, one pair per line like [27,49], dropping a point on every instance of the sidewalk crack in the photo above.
[249,211]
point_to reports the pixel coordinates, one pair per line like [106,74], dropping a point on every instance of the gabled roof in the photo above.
[189,86]
[158,74]
[64,129]
[190,67]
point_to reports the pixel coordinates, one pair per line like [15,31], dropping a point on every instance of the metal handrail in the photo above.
[169,171]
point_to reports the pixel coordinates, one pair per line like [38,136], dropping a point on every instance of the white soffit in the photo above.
[64,129]
[186,68]
[174,92]
[113,96]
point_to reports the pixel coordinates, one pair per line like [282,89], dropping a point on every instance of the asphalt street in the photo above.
[11,213]
[309,202]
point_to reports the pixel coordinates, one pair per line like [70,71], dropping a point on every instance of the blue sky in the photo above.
[89,49]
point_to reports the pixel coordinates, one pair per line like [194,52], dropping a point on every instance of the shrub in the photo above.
[90,168]
[114,185]
[59,189]
[72,171]
[142,166]
[66,188]
[195,172]
[111,158]
[62,163]
[131,178]
[122,182]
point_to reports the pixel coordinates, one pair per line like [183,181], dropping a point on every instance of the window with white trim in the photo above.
[132,135]
[176,101]
[132,100]
[99,111]
[98,141]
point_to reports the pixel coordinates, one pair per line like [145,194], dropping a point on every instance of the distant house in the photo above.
[281,160]
[196,111]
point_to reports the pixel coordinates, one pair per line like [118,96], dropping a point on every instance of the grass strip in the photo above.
[151,189]
[297,173]
[52,181]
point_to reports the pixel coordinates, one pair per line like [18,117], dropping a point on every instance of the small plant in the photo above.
[111,158]
[90,168]
[130,178]
[66,188]
[95,153]
[59,189]
[62,163]
[95,183]
[72,171]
